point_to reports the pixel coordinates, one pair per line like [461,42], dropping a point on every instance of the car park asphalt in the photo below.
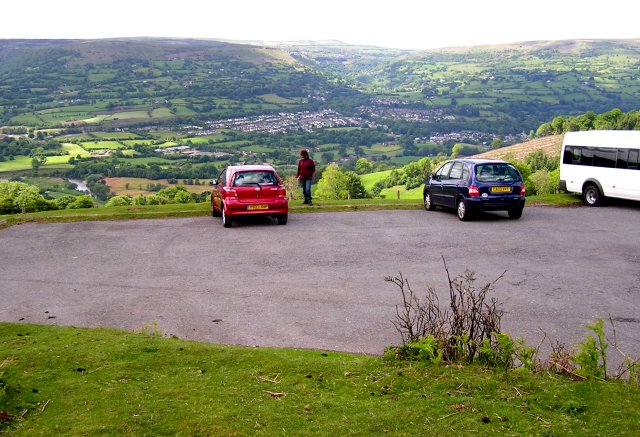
[318,282]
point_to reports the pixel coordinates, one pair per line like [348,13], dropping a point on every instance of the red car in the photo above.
[243,190]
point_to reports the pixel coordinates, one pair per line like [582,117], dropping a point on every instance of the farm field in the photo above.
[401,193]
[20,163]
[369,180]
[74,150]
[99,145]
[397,192]
[550,145]
[115,135]
[136,186]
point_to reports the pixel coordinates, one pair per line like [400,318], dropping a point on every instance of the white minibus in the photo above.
[601,163]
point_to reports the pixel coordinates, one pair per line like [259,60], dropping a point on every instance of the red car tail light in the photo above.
[281,193]
[523,190]
[474,191]
[230,192]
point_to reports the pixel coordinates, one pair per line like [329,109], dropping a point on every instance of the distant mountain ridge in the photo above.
[118,49]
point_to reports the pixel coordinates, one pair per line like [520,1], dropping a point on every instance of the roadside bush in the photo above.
[425,349]
[538,183]
[139,200]
[64,201]
[18,197]
[122,200]
[183,197]
[544,182]
[177,194]
[338,183]
[155,200]
[591,357]
[377,188]
[468,331]
[82,202]
[293,187]
[538,160]
[461,332]
[554,181]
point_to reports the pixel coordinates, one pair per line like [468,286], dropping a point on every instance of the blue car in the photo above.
[471,186]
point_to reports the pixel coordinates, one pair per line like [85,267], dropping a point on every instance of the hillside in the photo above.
[550,145]
[512,87]
[109,51]
[500,90]
[47,83]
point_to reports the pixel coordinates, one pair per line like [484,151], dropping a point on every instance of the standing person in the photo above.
[306,169]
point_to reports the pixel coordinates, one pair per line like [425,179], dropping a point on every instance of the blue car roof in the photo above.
[480,160]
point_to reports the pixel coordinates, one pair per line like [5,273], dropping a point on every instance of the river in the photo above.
[80,185]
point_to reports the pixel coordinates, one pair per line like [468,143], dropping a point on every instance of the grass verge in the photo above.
[201,209]
[70,381]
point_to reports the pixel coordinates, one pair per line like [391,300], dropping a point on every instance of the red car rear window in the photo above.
[246,178]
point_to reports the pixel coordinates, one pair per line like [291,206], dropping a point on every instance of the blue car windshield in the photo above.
[497,173]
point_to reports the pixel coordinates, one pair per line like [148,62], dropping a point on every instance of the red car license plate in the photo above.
[257,207]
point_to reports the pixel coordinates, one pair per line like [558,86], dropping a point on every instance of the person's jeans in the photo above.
[306,189]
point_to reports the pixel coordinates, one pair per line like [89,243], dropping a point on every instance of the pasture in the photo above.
[274,98]
[204,139]
[20,163]
[139,186]
[74,150]
[369,180]
[391,193]
[102,145]
[258,149]
[128,115]
[142,142]
[161,113]
[115,135]
[401,193]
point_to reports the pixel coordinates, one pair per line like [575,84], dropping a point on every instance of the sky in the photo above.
[404,24]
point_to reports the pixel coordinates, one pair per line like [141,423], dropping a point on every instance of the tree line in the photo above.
[610,120]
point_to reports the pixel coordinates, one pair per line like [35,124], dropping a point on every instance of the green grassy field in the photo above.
[381,148]
[400,192]
[166,144]
[20,163]
[76,382]
[258,149]
[115,135]
[393,193]
[99,145]
[204,139]
[232,144]
[161,113]
[128,115]
[16,164]
[274,98]
[149,160]
[74,150]
[183,111]
[131,143]
[368,180]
